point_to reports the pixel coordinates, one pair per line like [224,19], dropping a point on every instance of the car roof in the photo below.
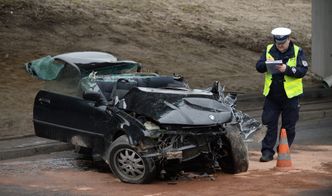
[86,57]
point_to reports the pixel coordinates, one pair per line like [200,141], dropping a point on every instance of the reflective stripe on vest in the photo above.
[293,86]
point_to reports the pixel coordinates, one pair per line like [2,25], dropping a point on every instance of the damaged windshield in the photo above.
[66,82]
[64,72]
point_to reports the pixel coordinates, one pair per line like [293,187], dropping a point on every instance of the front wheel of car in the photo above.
[128,165]
[235,159]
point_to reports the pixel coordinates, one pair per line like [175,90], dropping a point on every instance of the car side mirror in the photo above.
[98,98]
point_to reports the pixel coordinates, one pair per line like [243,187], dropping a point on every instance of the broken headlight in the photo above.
[152,130]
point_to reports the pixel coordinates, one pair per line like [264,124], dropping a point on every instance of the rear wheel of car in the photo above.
[128,165]
[235,159]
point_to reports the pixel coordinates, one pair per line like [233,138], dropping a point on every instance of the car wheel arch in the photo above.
[118,133]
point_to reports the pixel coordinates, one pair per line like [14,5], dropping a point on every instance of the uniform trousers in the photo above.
[273,108]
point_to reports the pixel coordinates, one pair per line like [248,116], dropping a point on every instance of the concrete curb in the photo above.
[15,150]
[304,115]
[309,94]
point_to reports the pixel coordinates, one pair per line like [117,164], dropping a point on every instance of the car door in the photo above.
[60,117]
[60,112]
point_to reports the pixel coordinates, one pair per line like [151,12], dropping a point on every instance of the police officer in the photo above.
[282,88]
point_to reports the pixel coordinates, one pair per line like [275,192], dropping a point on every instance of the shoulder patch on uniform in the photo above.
[294,70]
[305,63]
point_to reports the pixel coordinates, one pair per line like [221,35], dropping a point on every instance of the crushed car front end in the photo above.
[182,125]
[181,142]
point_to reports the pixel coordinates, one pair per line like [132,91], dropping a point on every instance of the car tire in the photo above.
[128,165]
[236,152]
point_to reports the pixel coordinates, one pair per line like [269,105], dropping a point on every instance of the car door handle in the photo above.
[43,100]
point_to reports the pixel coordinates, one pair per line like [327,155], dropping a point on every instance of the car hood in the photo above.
[177,107]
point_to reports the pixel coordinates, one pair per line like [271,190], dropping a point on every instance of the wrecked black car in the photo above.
[138,123]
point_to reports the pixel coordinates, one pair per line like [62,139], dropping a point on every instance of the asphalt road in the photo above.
[67,173]
[310,132]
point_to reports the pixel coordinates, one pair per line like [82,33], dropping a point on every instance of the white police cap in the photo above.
[280,34]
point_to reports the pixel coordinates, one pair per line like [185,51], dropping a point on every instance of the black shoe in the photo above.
[266,158]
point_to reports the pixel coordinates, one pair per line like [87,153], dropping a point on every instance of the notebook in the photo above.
[272,66]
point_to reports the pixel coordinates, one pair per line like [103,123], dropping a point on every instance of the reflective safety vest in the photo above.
[293,86]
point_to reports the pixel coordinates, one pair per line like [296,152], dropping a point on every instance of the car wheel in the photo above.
[235,159]
[128,165]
